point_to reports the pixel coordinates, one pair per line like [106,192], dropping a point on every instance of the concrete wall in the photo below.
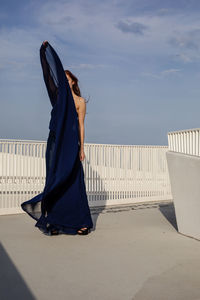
[184,172]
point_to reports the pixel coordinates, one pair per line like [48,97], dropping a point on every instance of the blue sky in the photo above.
[137,61]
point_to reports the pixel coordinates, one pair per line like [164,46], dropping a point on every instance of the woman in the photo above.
[62,207]
[80,107]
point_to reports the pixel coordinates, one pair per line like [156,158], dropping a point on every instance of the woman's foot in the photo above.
[54,232]
[83,231]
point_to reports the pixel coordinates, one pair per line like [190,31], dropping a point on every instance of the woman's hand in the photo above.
[45,43]
[81,154]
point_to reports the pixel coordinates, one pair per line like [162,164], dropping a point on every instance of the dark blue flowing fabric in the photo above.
[63,204]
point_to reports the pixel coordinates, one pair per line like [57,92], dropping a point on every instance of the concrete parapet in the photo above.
[184,172]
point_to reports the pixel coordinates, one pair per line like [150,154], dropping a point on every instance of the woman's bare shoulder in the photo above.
[81,99]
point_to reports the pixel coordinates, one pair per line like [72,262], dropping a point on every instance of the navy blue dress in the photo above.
[63,204]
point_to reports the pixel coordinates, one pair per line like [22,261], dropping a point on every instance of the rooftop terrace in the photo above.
[133,253]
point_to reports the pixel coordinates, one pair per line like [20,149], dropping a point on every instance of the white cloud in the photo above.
[187,40]
[87,66]
[162,74]
[186,58]
[19,52]
[170,71]
[89,31]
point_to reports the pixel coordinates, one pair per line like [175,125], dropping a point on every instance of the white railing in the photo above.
[114,174]
[185,141]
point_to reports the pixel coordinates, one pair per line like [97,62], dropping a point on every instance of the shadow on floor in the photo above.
[168,211]
[12,285]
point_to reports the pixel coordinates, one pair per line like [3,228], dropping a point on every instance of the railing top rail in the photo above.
[88,144]
[182,131]
[118,145]
[21,141]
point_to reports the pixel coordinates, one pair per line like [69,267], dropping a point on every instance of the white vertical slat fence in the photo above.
[185,141]
[114,174]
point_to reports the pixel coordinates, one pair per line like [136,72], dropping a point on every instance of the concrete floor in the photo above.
[132,254]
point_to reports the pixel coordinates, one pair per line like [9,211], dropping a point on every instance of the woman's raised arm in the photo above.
[48,75]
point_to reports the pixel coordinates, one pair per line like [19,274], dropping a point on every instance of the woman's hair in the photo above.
[75,86]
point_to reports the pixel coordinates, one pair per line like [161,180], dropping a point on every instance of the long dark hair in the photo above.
[75,86]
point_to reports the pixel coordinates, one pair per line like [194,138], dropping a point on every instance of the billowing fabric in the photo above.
[63,204]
